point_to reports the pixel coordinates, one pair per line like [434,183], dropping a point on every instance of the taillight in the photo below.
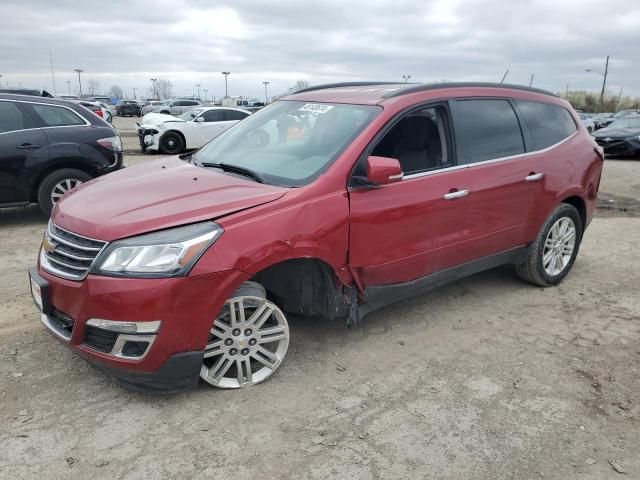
[112,143]
[99,112]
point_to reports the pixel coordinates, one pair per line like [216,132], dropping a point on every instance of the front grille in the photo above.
[613,146]
[67,254]
[99,339]
[61,322]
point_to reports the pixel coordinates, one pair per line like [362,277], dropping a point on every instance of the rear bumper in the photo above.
[184,306]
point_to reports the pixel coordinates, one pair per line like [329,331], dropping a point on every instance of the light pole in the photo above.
[226,92]
[79,71]
[134,92]
[205,95]
[531,81]
[266,97]
[198,85]
[69,86]
[154,80]
[406,78]
[604,81]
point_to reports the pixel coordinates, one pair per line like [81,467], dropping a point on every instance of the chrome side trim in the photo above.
[487,162]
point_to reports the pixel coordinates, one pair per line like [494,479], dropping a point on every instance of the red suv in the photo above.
[332,202]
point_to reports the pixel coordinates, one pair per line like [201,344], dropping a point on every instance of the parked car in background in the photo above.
[193,129]
[175,107]
[150,104]
[619,115]
[49,146]
[600,118]
[588,123]
[96,108]
[26,91]
[129,108]
[622,137]
[331,202]
[103,99]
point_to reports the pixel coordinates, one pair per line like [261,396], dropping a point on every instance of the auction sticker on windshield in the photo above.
[315,108]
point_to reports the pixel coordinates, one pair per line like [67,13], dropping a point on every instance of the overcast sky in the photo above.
[192,41]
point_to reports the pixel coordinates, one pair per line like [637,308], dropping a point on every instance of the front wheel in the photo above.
[56,184]
[171,143]
[554,251]
[247,342]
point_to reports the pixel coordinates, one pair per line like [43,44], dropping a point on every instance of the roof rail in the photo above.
[344,84]
[435,86]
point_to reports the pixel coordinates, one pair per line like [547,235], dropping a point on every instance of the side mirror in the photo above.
[383,170]
[200,119]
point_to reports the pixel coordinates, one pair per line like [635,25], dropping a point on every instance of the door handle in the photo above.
[456,194]
[27,146]
[534,177]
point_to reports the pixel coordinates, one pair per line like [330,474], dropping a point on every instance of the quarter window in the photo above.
[486,129]
[12,118]
[212,116]
[53,116]
[548,124]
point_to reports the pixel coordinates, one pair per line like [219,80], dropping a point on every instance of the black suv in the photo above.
[49,146]
[129,108]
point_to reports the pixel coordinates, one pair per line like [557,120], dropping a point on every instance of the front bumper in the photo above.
[619,146]
[148,139]
[185,306]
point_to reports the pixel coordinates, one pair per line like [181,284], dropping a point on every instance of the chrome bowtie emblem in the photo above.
[608,139]
[48,245]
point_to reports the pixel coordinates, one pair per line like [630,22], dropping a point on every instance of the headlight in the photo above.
[161,254]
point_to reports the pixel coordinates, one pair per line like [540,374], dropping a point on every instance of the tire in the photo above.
[166,112]
[549,260]
[240,353]
[55,182]
[171,143]
[589,129]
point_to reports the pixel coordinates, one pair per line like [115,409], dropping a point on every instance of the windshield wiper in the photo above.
[225,167]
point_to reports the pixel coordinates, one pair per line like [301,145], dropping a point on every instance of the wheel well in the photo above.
[59,166]
[579,204]
[305,286]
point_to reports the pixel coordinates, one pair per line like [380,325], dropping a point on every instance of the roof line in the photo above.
[343,84]
[436,86]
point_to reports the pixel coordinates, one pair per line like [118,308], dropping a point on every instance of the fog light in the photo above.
[125,327]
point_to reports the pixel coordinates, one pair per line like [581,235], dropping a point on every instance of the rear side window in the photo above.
[54,116]
[12,118]
[234,115]
[548,124]
[486,129]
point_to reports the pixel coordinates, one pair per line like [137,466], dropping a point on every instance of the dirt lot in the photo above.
[487,378]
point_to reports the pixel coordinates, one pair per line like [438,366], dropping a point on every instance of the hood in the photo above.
[158,118]
[616,133]
[156,195]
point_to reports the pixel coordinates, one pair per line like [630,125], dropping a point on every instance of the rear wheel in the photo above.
[553,253]
[247,342]
[56,184]
[171,143]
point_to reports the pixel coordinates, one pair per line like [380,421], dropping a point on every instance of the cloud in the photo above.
[188,42]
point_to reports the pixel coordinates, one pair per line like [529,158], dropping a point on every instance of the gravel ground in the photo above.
[487,378]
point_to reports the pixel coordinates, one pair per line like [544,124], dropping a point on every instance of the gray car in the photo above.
[176,107]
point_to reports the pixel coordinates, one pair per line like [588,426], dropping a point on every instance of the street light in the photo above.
[134,92]
[266,97]
[604,80]
[69,86]
[226,92]
[406,78]
[79,71]
[198,85]
[154,80]
[205,95]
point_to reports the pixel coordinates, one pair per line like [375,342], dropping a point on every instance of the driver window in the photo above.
[418,141]
[212,116]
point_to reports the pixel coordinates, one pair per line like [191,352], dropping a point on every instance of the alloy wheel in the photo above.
[62,187]
[559,246]
[247,343]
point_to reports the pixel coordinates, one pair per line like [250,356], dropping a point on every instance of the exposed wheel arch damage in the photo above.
[309,287]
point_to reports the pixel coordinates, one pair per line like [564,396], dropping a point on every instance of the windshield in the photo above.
[190,114]
[627,122]
[290,142]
